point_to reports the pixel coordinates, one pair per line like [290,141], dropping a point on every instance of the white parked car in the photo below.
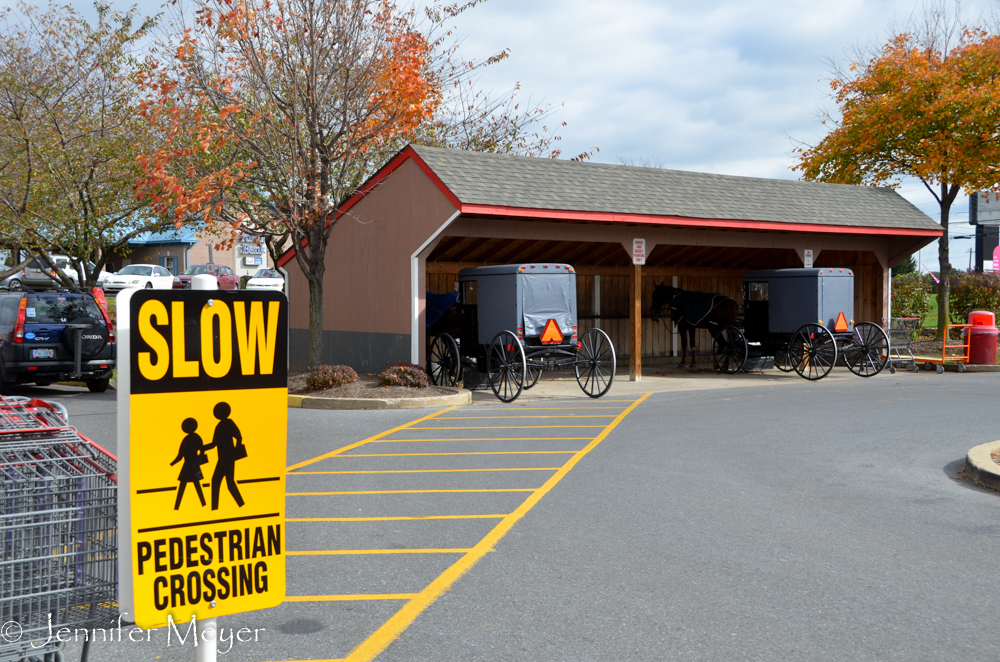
[66,265]
[266,279]
[140,276]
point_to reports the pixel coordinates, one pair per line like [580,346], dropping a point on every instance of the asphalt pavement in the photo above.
[794,520]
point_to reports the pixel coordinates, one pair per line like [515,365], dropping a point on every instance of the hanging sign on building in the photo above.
[807,258]
[639,251]
[202,429]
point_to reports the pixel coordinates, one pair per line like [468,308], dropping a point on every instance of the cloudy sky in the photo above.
[713,86]
[721,86]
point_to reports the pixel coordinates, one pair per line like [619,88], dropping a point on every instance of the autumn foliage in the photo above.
[258,98]
[916,109]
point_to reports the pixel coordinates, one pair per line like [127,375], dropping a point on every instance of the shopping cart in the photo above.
[946,358]
[901,331]
[58,530]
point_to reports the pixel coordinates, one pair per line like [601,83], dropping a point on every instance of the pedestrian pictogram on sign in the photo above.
[639,251]
[202,405]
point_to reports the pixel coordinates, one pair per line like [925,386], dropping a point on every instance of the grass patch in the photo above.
[930,319]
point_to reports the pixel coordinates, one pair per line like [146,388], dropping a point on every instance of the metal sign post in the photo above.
[202,424]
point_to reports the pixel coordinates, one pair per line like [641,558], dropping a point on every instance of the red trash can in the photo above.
[982,338]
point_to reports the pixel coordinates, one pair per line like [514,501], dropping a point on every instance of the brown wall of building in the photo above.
[367,310]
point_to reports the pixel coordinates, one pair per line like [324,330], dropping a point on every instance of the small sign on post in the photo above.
[996,259]
[807,258]
[202,430]
[639,251]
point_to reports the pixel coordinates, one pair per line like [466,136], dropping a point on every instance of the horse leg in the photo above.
[694,347]
[684,348]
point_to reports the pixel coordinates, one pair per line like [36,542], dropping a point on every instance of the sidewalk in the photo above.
[666,378]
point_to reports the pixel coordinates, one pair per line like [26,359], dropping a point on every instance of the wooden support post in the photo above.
[635,320]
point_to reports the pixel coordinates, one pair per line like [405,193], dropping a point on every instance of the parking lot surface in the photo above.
[812,521]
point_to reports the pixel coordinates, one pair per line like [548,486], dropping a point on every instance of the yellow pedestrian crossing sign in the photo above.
[202,407]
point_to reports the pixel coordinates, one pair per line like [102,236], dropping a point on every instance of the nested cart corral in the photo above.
[508,324]
[801,320]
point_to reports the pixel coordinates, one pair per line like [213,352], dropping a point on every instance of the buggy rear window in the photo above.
[60,309]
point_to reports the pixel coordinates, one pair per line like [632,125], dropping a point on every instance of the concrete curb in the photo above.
[460,397]
[981,468]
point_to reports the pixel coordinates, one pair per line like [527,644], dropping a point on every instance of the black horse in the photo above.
[693,310]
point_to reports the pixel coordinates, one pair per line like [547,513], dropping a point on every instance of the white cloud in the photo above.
[714,86]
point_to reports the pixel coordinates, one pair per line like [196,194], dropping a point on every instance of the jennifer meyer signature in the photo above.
[11,632]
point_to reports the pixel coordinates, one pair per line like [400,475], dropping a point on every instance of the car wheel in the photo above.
[98,385]
[15,285]
[149,286]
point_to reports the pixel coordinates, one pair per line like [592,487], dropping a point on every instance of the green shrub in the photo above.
[402,373]
[974,291]
[329,376]
[909,296]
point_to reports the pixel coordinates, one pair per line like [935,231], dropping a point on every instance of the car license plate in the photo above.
[43,353]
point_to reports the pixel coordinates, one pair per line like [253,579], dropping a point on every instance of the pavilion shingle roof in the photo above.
[536,183]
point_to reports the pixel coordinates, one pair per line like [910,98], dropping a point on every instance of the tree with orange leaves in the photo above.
[920,107]
[274,112]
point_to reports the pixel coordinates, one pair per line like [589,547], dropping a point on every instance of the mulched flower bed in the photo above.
[367,386]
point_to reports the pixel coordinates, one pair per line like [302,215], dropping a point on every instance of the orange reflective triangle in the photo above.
[841,323]
[551,335]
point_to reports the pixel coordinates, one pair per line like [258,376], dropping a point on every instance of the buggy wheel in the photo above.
[505,365]
[782,360]
[443,361]
[595,363]
[868,352]
[813,351]
[531,376]
[729,350]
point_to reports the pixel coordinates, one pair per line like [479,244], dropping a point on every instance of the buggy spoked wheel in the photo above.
[868,352]
[729,350]
[813,351]
[506,366]
[595,363]
[531,376]
[783,360]
[443,361]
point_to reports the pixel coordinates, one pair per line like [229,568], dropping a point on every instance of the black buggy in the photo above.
[801,320]
[509,323]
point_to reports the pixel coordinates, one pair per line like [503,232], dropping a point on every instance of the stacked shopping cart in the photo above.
[58,530]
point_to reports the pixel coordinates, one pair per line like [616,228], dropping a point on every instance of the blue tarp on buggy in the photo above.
[438,305]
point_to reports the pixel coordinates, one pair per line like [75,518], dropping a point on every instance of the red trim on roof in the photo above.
[606,217]
[684,221]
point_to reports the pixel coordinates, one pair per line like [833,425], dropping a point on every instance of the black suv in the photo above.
[36,345]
